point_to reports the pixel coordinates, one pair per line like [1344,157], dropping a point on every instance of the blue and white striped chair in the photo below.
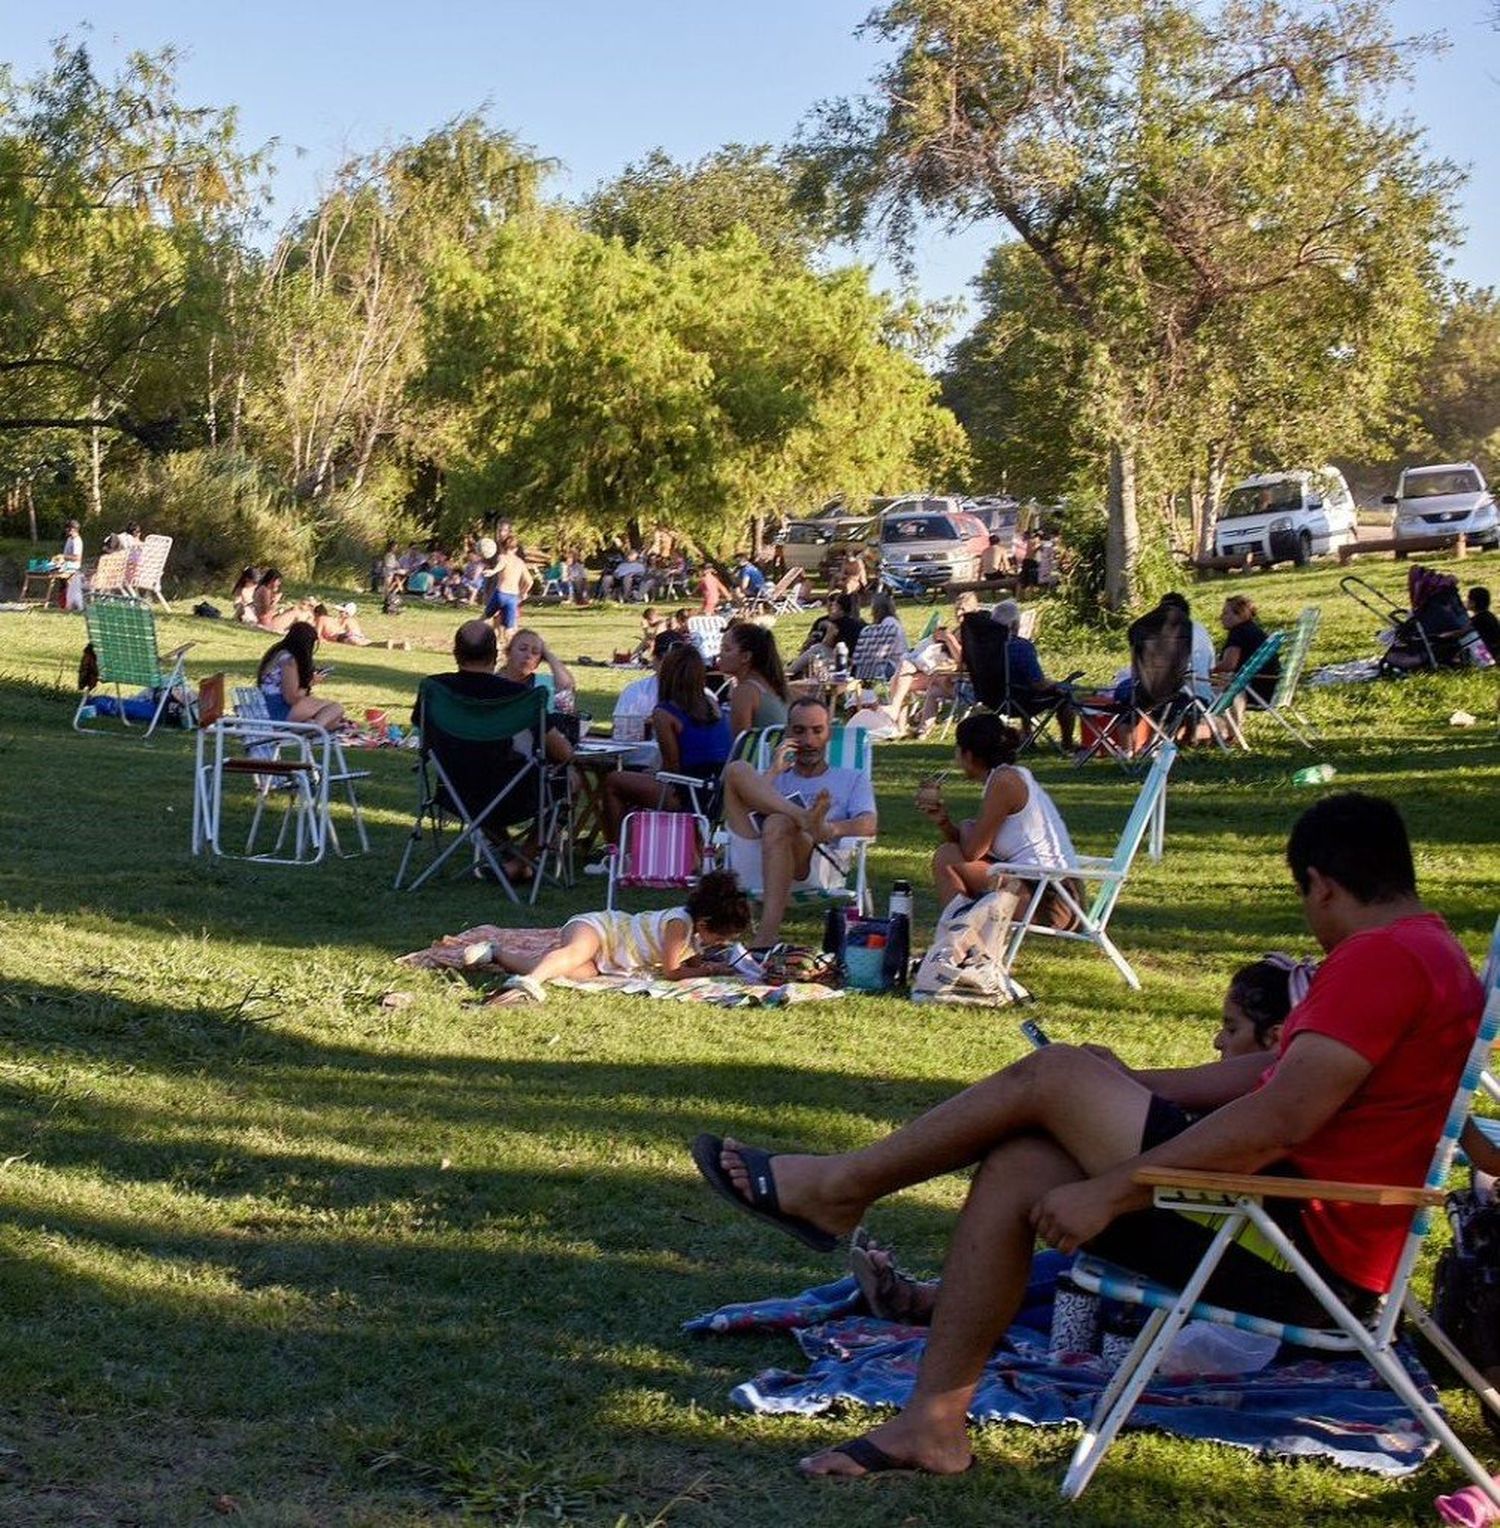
[1236,1201]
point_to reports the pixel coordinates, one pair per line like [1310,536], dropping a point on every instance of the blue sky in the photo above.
[598,83]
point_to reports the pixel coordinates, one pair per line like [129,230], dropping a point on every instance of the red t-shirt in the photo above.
[1406,999]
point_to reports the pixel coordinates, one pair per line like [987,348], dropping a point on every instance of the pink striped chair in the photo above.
[659,851]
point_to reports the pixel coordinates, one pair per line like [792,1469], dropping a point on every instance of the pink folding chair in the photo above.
[659,851]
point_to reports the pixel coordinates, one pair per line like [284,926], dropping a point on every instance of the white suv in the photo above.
[1287,516]
[1444,499]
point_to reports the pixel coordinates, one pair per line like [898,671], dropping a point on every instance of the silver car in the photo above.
[1445,499]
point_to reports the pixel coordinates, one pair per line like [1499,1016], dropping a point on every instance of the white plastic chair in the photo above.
[1149,815]
[706,633]
[1236,1201]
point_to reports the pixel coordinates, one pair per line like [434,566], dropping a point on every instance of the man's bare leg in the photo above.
[746,790]
[984,1282]
[1086,1105]
[785,857]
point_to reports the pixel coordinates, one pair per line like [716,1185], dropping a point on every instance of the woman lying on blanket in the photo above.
[673,945]
[1260,997]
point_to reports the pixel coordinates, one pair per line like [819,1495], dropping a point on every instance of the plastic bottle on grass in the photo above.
[1314,774]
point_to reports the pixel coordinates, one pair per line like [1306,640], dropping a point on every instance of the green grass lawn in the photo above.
[263,1238]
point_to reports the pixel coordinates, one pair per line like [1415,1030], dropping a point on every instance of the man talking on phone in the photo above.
[787,826]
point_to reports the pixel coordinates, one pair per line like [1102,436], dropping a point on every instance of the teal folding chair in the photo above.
[1282,705]
[1223,708]
[122,632]
[1091,925]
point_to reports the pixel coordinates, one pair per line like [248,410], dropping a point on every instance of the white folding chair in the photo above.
[1236,1201]
[1149,814]
[1282,704]
[147,563]
[292,757]
[706,633]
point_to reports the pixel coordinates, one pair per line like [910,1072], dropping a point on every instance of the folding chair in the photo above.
[289,756]
[1148,814]
[1237,1202]
[778,598]
[706,633]
[1161,695]
[848,748]
[334,770]
[1293,662]
[659,850]
[108,574]
[488,731]
[122,633]
[706,798]
[1222,707]
[986,649]
[147,563]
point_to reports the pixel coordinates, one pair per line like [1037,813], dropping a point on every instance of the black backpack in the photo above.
[1466,1287]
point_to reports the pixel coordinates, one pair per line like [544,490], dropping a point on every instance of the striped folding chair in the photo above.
[1236,1201]
[658,851]
[122,633]
[706,633]
[1282,704]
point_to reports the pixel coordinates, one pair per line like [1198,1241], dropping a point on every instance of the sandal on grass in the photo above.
[515,990]
[762,1203]
[872,1460]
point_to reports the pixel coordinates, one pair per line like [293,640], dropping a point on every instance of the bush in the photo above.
[223,511]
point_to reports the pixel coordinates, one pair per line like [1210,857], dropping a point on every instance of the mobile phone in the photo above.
[1035,1033]
[324,670]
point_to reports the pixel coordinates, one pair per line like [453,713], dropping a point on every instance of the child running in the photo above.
[1260,997]
[674,944]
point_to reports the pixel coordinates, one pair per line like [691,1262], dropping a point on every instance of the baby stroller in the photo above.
[1434,633]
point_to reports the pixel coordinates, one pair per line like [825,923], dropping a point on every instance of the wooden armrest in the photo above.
[1266,1186]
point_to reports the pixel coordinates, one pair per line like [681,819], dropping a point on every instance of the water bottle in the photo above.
[897,961]
[835,933]
[1314,774]
[841,658]
[900,900]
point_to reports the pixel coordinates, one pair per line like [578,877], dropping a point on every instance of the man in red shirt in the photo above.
[1366,1070]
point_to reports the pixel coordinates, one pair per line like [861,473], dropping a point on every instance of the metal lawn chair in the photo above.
[291,758]
[986,649]
[507,737]
[1282,704]
[1219,716]
[659,851]
[147,562]
[122,632]
[706,633]
[1109,875]
[1237,1202]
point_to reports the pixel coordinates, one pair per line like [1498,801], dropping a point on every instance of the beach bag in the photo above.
[1466,1288]
[796,963]
[965,962]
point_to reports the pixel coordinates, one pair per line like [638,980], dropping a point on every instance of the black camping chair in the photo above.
[1161,690]
[986,652]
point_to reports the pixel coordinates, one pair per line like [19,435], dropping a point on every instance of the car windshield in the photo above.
[905,528]
[1433,485]
[801,533]
[1262,499]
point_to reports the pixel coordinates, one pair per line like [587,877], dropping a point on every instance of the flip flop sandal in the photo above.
[873,1460]
[762,1203]
[515,990]
[890,1294]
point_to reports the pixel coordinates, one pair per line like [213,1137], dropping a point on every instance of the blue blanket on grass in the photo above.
[1299,1407]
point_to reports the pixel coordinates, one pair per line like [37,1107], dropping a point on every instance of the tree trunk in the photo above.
[31,514]
[757,535]
[1218,471]
[96,499]
[1122,549]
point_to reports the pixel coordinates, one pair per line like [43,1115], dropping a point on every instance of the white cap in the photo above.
[487,547]
[349,608]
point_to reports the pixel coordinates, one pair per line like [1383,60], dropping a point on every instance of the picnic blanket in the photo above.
[1298,1407]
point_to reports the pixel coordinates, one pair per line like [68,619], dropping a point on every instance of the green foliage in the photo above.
[1458,405]
[223,509]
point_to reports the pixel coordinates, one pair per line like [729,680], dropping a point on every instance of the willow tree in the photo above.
[1164,162]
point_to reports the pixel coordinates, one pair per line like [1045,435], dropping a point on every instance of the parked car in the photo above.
[1448,497]
[998,512]
[931,541]
[1287,516]
[824,537]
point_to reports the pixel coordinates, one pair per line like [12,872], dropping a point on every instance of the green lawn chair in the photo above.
[1293,662]
[1222,709]
[122,632]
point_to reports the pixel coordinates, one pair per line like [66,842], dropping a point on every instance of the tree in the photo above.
[113,198]
[660,205]
[1458,403]
[1165,163]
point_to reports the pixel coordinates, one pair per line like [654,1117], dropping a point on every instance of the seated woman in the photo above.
[1260,997]
[713,592]
[1245,637]
[338,625]
[524,656]
[1017,824]
[750,657]
[242,596]
[269,612]
[931,669]
[812,668]
[885,620]
[286,678]
[690,730]
[674,944]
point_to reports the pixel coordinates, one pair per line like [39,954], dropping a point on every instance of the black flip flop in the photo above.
[762,1203]
[873,1460]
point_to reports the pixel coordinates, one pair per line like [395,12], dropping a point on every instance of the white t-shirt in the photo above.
[1203,662]
[73,548]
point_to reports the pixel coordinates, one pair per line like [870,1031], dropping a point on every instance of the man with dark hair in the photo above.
[788,826]
[1358,1092]
[1484,620]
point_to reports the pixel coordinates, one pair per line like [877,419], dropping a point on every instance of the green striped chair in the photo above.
[122,632]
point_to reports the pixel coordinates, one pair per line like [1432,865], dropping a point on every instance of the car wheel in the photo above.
[1303,555]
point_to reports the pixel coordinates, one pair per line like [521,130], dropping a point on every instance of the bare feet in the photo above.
[816,823]
[902,1444]
[891,1294]
[805,1188]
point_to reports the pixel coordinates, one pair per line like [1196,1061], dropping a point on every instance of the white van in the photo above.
[1287,516]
